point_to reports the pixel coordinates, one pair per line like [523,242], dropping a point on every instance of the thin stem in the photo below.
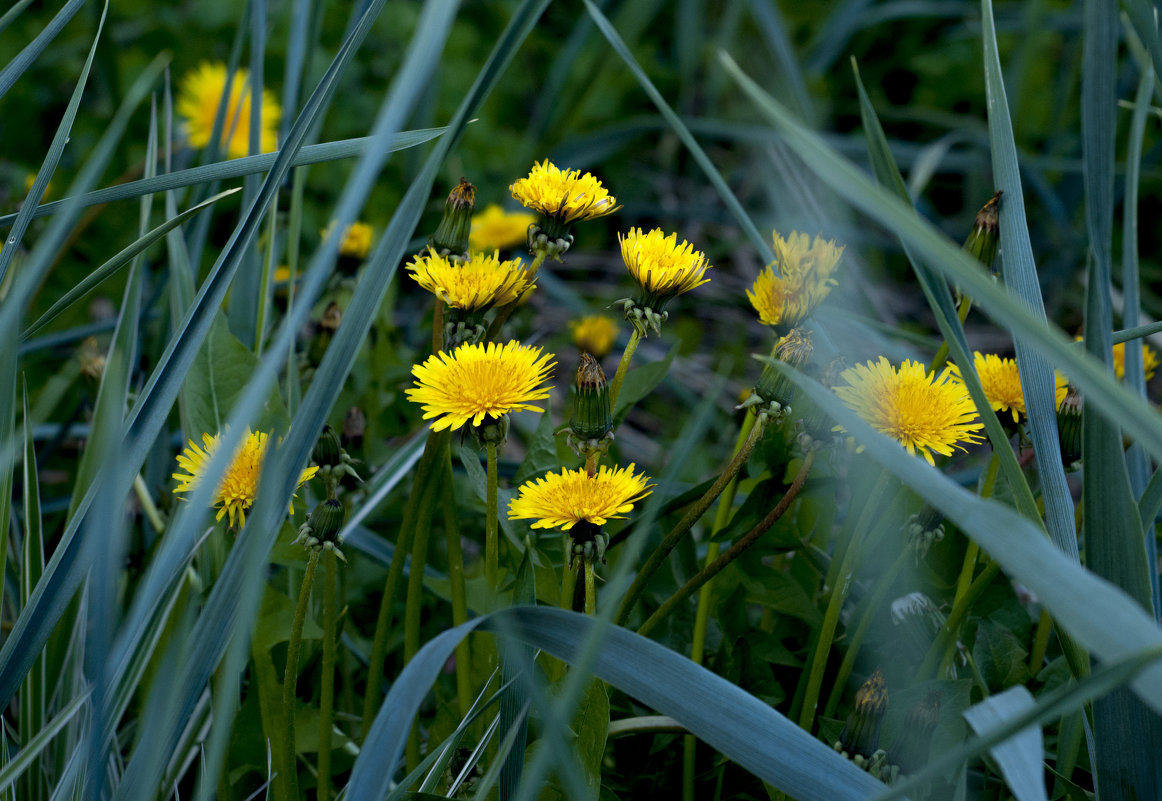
[148,507]
[591,459]
[491,533]
[1040,642]
[438,326]
[327,680]
[735,551]
[267,291]
[503,313]
[568,579]
[686,523]
[457,585]
[590,588]
[289,783]
[623,367]
[436,441]
[942,352]
[415,599]
[946,638]
[840,580]
[702,615]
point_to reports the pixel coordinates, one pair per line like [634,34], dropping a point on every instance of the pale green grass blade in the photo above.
[1143,16]
[33,692]
[32,749]
[1123,727]
[1137,332]
[16,67]
[1048,709]
[1098,615]
[1020,272]
[941,304]
[743,219]
[1136,417]
[234,168]
[770,23]
[17,654]
[1019,757]
[93,279]
[12,13]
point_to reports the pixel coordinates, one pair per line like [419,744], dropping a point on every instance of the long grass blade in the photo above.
[1020,757]
[31,750]
[16,67]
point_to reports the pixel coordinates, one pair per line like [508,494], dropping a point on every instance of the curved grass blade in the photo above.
[16,67]
[32,748]
[1097,614]
[1138,419]
[233,168]
[12,13]
[90,281]
[1019,757]
[741,217]
[940,301]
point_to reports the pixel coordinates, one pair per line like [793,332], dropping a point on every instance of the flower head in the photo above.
[922,412]
[478,381]
[1149,360]
[1002,383]
[594,334]
[478,283]
[497,229]
[200,96]
[804,278]
[356,241]
[563,196]
[239,484]
[572,496]
[662,269]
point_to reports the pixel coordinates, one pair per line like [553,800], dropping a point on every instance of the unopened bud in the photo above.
[328,452]
[491,431]
[794,349]
[861,733]
[1069,427]
[451,237]
[982,240]
[592,417]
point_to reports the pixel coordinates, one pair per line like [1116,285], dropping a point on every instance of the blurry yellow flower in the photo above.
[480,282]
[594,334]
[478,381]
[565,196]
[1002,383]
[572,496]
[803,279]
[925,413]
[239,484]
[201,95]
[29,180]
[497,229]
[356,239]
[1149,360]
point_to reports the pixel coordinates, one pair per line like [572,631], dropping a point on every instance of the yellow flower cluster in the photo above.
[497,229]
[573,496]
[478,283]
[803,279]
[564,196]
[200,95]
[661,266]
[1002,384]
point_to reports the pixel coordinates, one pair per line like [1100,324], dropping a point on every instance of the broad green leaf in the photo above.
[542,450]
[999,656]
[641,381]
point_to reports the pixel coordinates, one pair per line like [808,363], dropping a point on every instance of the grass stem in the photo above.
[288,771]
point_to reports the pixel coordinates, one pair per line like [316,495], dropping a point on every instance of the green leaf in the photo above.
[640,382]
[1020,757]
[542,450]
[999,656]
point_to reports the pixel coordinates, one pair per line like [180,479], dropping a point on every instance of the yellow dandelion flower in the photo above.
[564,196]
[660,266]
[803,279]
[1002,383]
[201,94]
[478,283]
[572,496]
[478,381]
[1149,360]
[594,334]
[239,484]
[356,239]
[922,412]
[497,229]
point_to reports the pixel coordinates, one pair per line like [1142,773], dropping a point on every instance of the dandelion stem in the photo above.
[590,588]
[623,367]
[438,326]
[702,615]
[942,352]
[735,551]
[148,507]
[327,679]
[1040,642]
[946,638]
[289,772]
[491,538]
[591,459]
[457,585]
[415,600]
[688,520]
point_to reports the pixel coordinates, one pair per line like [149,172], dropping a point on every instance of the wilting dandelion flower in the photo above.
[200,96]
[239,484]
[477,283]
[478,381]
[1002,383]
[924,413]
[804,278]
[497,229]
[594,334]
[563,196]
[572,496]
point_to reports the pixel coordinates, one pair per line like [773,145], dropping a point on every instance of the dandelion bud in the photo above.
[918,620]
[491,431]
[861,733]
[910,749]
[592,417]
[794,349]
[1069,427]
[451,237]
[327,520]
[982,240]
[923,529]
[328,452]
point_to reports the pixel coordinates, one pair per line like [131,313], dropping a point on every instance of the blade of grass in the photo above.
[97,276]
[12,13]
[1019,757]
[16,67]
[31,749]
